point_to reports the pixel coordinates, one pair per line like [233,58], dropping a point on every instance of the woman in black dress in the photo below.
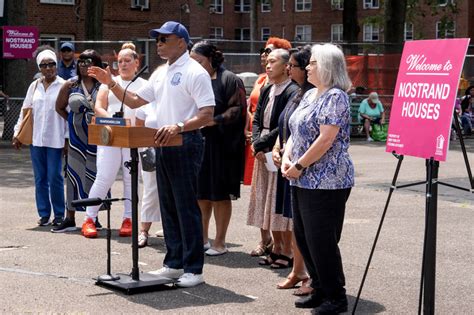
[222,167]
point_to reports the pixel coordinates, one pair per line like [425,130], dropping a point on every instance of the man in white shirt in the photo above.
[184,93]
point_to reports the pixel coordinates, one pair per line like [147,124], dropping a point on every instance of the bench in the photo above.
[357,127]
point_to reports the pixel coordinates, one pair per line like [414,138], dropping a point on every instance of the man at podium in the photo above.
[186,103]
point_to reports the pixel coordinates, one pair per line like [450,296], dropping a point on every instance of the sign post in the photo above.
[420,126]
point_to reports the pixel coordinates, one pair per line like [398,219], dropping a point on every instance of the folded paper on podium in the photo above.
[119,133]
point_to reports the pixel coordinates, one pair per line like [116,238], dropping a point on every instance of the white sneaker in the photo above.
[188,280]
[369,139]
[168,272]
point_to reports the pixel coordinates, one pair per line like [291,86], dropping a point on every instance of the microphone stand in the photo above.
[106,202]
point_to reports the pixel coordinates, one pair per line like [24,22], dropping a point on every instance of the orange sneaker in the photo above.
[126,229]
[88,228]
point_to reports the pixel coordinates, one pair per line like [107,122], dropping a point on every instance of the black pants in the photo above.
[318,216]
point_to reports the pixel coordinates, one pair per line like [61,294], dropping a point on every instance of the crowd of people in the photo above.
[289,140]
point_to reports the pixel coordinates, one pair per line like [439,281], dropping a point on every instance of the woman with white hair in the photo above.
[49,131]
[317,163]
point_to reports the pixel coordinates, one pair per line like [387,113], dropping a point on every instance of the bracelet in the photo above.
[114,85]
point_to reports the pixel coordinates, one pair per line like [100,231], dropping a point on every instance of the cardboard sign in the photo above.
[423,104]
[19,42]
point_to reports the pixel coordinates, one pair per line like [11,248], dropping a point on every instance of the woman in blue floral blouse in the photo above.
[318,165]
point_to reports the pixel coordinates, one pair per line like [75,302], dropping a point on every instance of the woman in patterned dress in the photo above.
[317,163]
[79,94]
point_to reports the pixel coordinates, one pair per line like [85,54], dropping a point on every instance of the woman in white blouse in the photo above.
[111,159]
[49,131]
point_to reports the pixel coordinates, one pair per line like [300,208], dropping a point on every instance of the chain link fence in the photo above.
[9,112]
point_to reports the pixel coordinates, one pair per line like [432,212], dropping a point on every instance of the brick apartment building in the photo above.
[227,21]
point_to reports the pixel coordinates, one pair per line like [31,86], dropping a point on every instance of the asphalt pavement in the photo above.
[42,272]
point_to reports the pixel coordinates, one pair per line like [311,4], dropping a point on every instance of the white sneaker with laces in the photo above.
[189,280]
[168,272]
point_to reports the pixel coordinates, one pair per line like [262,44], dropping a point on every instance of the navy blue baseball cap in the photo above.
[169,28]
[67,45]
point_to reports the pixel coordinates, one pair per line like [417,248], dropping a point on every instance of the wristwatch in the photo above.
[181,126]
[299,167]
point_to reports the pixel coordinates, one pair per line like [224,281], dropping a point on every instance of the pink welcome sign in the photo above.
[19,42]
[423,104]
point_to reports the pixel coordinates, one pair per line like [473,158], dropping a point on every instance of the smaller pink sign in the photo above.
[19,42]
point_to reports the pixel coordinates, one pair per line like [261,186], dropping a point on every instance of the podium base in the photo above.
[147,283]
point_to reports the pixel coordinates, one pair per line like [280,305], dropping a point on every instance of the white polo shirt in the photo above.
[180,90]
[49,129]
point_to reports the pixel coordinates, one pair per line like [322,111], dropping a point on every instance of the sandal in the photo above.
[270,259]
[142,240]
[305,288]
[282,262]
[262,249]
[291,282]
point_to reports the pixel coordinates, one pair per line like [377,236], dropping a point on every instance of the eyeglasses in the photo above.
[266,51]
[47,65]
[84,62]
[293,66]
[163,39]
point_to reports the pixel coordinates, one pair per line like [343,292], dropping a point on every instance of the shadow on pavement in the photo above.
[365,306]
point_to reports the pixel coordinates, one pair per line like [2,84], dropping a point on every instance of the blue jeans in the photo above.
[49,184]
[177,170]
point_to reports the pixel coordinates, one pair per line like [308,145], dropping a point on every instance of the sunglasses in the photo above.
[163,39]
[267,51]
[66,50]
[84,62]
[47,65]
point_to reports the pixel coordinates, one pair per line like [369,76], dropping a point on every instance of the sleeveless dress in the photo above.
[81,157]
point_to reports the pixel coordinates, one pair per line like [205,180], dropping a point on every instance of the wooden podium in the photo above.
[120,134]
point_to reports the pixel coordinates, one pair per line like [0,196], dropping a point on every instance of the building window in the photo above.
[337,4]
[336,33]
[66,2]
[265,33]
[303,5]
[443,3]
[448,30]
[143,48]
[55,40]
[408,31]
[242,6]
[216,32]
[371,4]
[303,33]
[371,33]
[216,6]
[140,4]
[242,33]
[266,5]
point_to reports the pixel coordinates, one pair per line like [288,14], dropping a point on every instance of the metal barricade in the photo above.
[9,112]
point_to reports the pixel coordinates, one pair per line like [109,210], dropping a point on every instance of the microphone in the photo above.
[93,201]
[119,114]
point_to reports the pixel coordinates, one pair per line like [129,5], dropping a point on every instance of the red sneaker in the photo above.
[88,228]
[126,229]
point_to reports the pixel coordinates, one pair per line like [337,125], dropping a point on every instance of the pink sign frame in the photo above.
[20,42]
[425,94]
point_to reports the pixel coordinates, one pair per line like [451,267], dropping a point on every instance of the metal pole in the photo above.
[134,173]
[429,268]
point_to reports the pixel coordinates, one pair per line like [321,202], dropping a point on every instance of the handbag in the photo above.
[379,132]
[148,158]
[25,134]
